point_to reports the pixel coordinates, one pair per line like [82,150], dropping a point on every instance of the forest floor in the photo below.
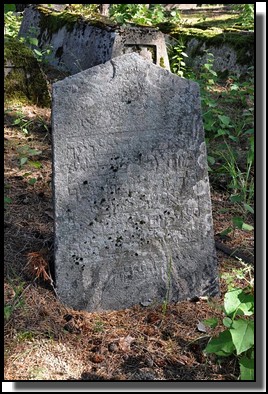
[46,340]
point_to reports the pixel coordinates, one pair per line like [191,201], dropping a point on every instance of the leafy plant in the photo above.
[142,14]
[16,303]
[177,56]
[24,153]
[246,18]
[31,40]
[12,23]
[238,338]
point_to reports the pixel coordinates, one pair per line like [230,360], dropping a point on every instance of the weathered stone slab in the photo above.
[133,219]
[78,44]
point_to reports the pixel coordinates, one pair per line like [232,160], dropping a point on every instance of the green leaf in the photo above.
[231,301]
[246,368]
[242,332]
[7,311]
[34,152]
[184,54]
[227,322]
[247,227]
[33,41]
[211,322]
[7,200]
[23,160]
[226,231]
[238,301]
[238,222]
[211,160]
[248,208]
[35,164]
[38,53]
[221,345]
[247,303]
[234,87]
[224,119]
[236,198]
[32,181]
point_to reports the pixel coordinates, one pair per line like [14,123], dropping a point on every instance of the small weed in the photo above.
[99,326]
[238,338]
[177,56]
[17,301]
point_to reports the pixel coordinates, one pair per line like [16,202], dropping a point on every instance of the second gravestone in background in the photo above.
[133,219]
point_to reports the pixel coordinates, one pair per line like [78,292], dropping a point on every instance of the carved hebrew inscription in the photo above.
[132,203]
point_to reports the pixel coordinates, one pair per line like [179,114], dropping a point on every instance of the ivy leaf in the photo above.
[237,301]
[242,333]
[221,345]
[246,368]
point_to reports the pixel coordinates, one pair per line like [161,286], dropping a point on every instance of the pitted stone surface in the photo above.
[133,219]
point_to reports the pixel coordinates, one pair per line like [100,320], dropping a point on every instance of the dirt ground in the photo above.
[45,340]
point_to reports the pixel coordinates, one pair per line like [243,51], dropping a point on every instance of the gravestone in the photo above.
[133,221]
[76,44]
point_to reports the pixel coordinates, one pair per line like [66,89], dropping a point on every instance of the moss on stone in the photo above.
[52,21]
[24,82]
[242,43]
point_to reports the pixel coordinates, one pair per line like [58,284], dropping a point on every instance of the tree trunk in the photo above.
[104,9]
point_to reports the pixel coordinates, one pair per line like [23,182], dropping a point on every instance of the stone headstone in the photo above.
[133,219]
[77,44]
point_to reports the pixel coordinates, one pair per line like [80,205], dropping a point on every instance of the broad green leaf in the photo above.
[212,322]
[231,301]
[238,301]
[23,160]
[35,164]
[221,345]
[184,54]
[242,333]
[247,227]
[238,222]
[246,368]
[33,41]
[221,132]
[224,119]
[227,322]
[247,303]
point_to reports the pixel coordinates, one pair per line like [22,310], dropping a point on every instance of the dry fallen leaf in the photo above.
[125,342]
